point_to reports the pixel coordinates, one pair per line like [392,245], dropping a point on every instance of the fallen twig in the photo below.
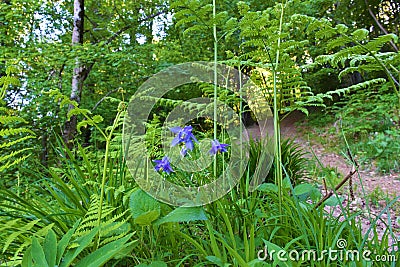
[338,186]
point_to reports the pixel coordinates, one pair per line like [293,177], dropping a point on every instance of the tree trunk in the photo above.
[45,153]
[79,74]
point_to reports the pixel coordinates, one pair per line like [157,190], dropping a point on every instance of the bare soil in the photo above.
[291,127]
[372,190]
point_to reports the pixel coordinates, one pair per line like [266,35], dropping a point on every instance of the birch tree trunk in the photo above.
[79,74]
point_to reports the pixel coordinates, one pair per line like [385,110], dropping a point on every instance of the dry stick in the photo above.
[351,189]
[325,187]
[348,177]
[355,164]
[336,188]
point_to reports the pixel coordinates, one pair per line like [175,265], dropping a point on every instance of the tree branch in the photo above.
[118,33]
[380,25]
[102,99]
[345,179]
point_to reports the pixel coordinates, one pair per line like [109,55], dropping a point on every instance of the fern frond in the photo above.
[14,142]
[16,234]
[11,119]
[10,131]
[111,227]
[338,42]
[10,163]
[16,131]
[376,44]
[366,84]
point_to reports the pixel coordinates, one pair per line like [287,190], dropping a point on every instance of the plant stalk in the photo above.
[215,81]
[277,133]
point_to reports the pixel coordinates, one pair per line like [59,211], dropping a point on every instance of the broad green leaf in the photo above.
[105,253]
[140,203]
[268,187]
[333,201]
[259,263]
[62,245]
[302,190]
[184,214]
[148,217]
[315,194]
[266,255]
[38,254]
[126,251]
[82,242]
[50,247]
[217,261]
[158,264]
[27,259]
[286,184]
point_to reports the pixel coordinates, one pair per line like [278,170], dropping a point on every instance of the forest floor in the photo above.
[372,190]
[295,126]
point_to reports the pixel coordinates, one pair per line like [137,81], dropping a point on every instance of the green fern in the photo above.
[111,228]
[196,16]
[53,252]
[11,134]
[356,51]
[259,30]
[15,236]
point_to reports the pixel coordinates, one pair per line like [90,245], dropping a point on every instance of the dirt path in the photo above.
[371,180]
[375,186]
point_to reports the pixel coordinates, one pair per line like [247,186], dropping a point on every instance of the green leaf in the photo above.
[276,260]
[81,124]
[315,194]
[158,264]
[333,201]
[144,208]
[184,214]
[15,234]
[82,242]
[303,189]
[27,258]
[286,183]
[97,119]
[148,217]
[37,254]
[153,264]
[268,187]
[105,253]
[217,261]
[62,245]
[360,34]
[50,248]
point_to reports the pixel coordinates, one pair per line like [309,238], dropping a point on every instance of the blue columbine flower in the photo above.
[216,147]
[185,136]
[163,165]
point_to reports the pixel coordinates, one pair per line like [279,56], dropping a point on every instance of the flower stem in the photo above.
[215,81]
[277,132]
